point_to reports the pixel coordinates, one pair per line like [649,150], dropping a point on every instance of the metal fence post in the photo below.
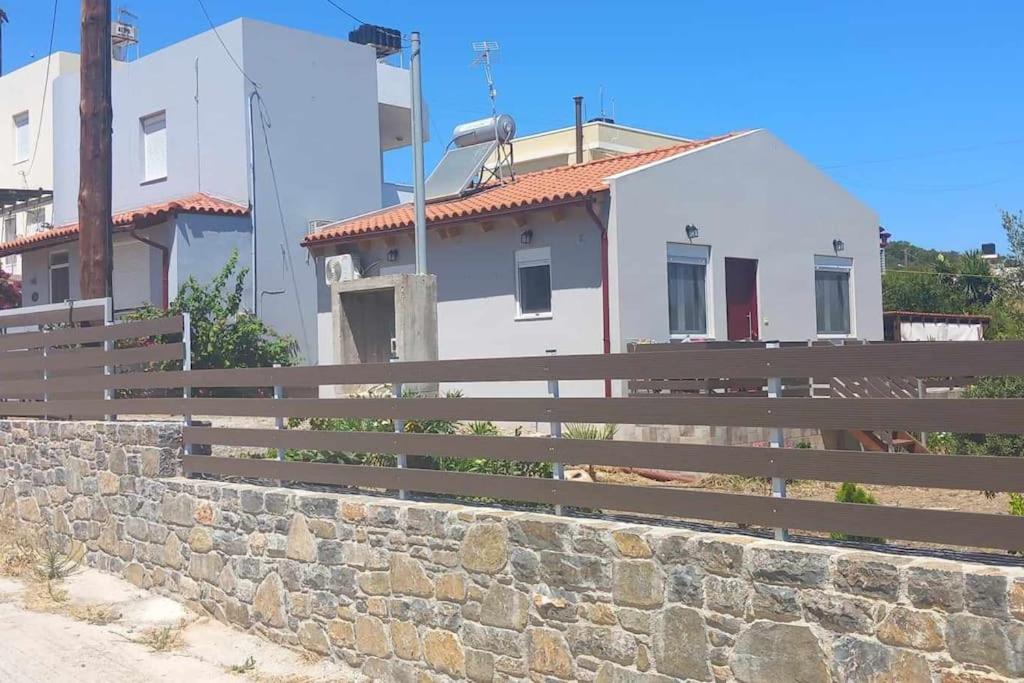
[108,346]
[186,366]
[279,421]
[775,440]
[922,392]
[402,460]
[557,468]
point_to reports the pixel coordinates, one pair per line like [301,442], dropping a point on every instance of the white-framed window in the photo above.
[22,137]
[34,219]
[687,289]
[154,147]
[533,283]
[832,275]
[60,277]
[10,228]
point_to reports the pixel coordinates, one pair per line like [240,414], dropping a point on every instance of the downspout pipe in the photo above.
[252,198]
[165,256]
[606,322]
[578,100]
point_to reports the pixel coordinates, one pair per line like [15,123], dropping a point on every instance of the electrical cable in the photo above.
[345,12]
[234,61]
[42,105]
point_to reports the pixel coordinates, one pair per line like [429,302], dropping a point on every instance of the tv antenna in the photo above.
[486,56]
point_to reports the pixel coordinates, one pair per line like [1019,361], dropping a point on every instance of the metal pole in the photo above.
[279,421]
[252,198]
[775,440]
[419,190]
[108,370]
[186,366]
[557,469]
[922,392]
[403,460]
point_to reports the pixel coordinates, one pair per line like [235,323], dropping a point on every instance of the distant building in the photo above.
[182,194]
[729,238]
[26,149]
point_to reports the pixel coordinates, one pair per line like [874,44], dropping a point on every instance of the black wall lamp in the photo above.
[526,237]
[692,232]
[392,255]
[838,245]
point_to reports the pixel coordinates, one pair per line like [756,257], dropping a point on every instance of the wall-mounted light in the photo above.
[392,255]
[692,232]
[526,237]
[838,245]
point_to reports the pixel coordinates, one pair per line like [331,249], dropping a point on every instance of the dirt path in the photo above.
[45,641]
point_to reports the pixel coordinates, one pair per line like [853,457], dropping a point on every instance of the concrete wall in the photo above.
[202,246]
[415,590]
[750,197]
[476,294]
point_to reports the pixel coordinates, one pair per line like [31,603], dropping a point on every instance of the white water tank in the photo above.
[501,128]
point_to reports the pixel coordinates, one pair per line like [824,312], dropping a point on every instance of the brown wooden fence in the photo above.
[975,473]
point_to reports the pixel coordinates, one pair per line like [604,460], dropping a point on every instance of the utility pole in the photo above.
[95,164]
[3,20]
[420,231]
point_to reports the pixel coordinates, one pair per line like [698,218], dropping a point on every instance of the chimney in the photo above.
[579,128]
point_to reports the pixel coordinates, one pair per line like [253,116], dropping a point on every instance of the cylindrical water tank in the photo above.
[501,128]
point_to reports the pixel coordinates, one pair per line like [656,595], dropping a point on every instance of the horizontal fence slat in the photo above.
[932,526]
[89,335]
[985,416]
[983,473]
[923,359]
[86,312]
[81,358]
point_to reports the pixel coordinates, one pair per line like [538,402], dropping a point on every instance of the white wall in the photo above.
[476,281]
[751,197]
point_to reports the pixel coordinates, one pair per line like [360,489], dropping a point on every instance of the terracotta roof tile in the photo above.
[560,184]
[195,203]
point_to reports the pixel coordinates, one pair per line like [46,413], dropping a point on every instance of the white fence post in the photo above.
[557,468]
[108,346]
[775,440]
[186,366]
[922,392]
[279,421]
[402,460]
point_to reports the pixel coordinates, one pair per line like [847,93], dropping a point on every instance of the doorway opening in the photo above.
[741,299]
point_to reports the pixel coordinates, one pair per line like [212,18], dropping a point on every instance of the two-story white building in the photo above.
[26,149]
[191,178]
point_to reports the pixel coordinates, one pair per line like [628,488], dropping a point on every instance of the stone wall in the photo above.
[417,591]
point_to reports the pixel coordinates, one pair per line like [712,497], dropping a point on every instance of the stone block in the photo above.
[989,642]
[484,548]
[775,603]
[680,644]
[638,583]
[451,588]
[372,637]
[685,584]
[858,659]
[986,593]
[548,653]
[479,666]
[632,544]
[934,584]
[717,556]
[312,637]
[444,654]
[603,643]
[778,652]
[728,596]
[574,572]
[405,640]
[839,613]
[408,577]
[867,574]
[505,607]
[301,545]
[268,604]
[780,564]
[905,627]
[539,532]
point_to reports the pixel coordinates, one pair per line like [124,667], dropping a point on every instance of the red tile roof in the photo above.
[134,218]
[554,185]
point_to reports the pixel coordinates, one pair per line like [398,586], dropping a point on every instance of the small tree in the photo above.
[10,291]
[224,335]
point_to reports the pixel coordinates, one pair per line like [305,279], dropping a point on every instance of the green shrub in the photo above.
[590,432]
[848,492]
[224,334]
[991,444]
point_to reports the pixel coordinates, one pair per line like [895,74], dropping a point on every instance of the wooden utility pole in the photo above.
[95,174]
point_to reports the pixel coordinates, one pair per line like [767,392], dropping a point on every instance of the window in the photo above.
[154,147]
[832,294]
[22,138]
[34,219]
[10,228]
[687,289]
[60,277]
[533,282]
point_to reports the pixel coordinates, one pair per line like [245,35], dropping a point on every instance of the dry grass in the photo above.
[162,639]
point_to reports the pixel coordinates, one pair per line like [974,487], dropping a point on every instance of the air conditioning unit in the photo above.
[341,268]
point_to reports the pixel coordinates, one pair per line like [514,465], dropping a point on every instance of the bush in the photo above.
[10,291]
[991,444]
[849,492]
[224,335]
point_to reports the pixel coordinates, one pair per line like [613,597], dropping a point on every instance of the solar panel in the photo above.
[457,169]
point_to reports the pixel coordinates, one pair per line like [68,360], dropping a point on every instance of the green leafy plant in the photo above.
[849,492]
[10,291]
[590,432]
[224,334]
[991,444]
[245,667]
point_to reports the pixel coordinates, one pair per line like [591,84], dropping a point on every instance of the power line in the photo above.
[345,12]
[234,61]
[42,104]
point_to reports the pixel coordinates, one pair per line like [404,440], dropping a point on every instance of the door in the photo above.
[741,299]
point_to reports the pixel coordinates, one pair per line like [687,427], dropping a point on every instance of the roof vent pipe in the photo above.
[579,128]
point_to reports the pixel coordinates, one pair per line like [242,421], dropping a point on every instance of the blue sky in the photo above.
[914,106]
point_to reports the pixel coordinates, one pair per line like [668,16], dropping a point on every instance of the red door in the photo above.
[741,298]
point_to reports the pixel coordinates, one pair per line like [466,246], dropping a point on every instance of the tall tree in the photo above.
[95,175]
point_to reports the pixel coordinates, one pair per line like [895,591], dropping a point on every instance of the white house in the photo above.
[733,237]
[325,111]
[26,149]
